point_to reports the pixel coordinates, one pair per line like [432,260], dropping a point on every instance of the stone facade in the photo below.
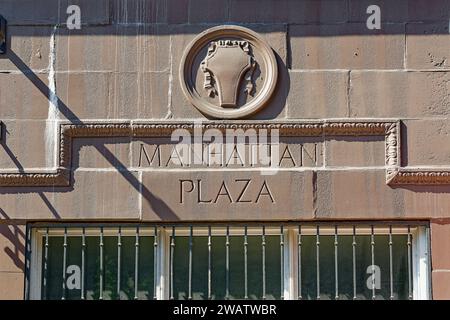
[77,106]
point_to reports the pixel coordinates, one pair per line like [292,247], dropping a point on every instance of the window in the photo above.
[241,263]
[98,265]
[321,261]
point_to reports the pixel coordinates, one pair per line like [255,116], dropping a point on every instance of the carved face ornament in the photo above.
[228,72]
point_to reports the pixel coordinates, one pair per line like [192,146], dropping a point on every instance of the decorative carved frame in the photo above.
[217,33]
[395,174]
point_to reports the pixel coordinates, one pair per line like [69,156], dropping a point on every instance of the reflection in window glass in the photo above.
[354,271]
[345,267]
[92,268]
[218,269]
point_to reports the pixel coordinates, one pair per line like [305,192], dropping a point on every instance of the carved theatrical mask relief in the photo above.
[228,72]
[227,63]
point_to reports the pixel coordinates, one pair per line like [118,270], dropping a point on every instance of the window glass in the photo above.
[92,268]
[218,269]
[54,277]
[345,267]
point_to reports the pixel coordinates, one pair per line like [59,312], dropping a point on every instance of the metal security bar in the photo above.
[246,262]
[228,261]
[83,259]
[378,242]
[44,283]
[299,263]
[101,263]
[354,261]
[64,266]
[336,269]
[155,262]
[119,260]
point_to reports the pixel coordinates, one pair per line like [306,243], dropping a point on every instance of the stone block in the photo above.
[287,11]
[177,11]
[440,232]
[139,12]
[441,285]
[226,195]
[12,247]
[107,95]
[123,48]
[390,11]
[347,46]
[30,12]
[426,143]
[321,94]
[399,94]
[401,10]
[51,12]
[12,285]
[92,12]
[428,10]
[94,195]
[86,95]
[364,194]
[428,46]
[355,151]
[101,153]
[24,96]
[24,145]
[27,49]
[161,153]
[208,11]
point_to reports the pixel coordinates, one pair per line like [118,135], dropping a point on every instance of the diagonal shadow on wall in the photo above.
[166,213]
[14,234]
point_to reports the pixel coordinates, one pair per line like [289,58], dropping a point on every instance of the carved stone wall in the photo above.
[395,174]
[364,112]
[121,78]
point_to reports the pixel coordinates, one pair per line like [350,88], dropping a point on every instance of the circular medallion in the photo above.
[228,72]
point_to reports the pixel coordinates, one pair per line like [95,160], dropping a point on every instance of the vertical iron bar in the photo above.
[45,264]
[299,266]
[172,249]
[209,263]
[410,295]
[372,250]
[190,263]
[119,259]
[136,265]
[263,244]
[336,273]
[155,262]
[27,261]
[318,261]
[391,276]
[83,259]
[64,265]
[282,261]
[354,261]
[245,263]
[101,264]
[227,264]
